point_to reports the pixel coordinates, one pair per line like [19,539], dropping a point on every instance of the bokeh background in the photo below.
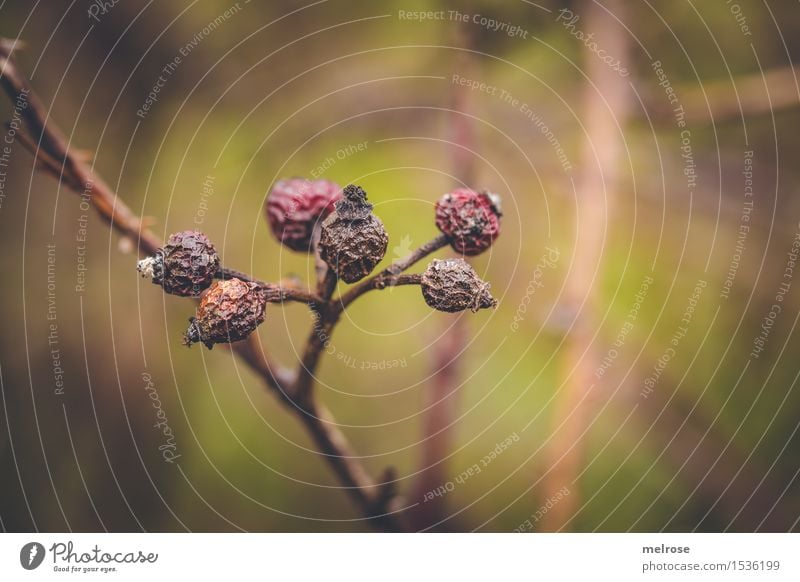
[639,262]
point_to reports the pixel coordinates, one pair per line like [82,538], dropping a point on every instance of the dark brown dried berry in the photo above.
[185,266]
[471,220]
[353,239]
[296,207]
[452,285]
[230,311]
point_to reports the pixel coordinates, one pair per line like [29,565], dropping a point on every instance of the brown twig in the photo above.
[76,172]
[384,278]
[328,311]
[275,293]
[53,154]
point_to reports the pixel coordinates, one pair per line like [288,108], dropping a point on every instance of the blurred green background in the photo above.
[278,88]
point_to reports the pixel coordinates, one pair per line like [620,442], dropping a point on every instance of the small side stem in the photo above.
[382,279]
[324,321]
[275,293]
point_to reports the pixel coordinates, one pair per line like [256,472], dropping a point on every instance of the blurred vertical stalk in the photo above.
[441,396]
[605,108]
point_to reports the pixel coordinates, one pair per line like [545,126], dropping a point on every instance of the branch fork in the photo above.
[377,500]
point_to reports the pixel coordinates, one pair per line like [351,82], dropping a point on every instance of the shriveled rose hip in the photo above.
[186,265]
[295,207]
[230,311]
[471,220]
[353,239]
[452,285]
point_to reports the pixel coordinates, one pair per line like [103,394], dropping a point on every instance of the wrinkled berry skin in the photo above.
[471,220]
[353,239]
[186,265]
[295,207]
[230,311]
[452,285]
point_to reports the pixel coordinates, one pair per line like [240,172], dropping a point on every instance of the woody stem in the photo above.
[53,154]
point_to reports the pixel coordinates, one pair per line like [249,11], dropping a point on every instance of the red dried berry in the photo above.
[185,266]
[471,220]
[452,285]
[353,239]
[296,207]
[230,311]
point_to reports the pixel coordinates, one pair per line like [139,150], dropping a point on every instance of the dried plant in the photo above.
[335,227]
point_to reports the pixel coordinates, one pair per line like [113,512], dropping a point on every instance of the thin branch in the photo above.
[321,330]
[318,338]
[53,154]
[52,141]
[275,293]
[383,279]
[43,160]
[328,312]
[320,267]
[374,499]
[279,294]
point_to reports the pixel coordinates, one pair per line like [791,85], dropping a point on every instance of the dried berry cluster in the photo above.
[351,242]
